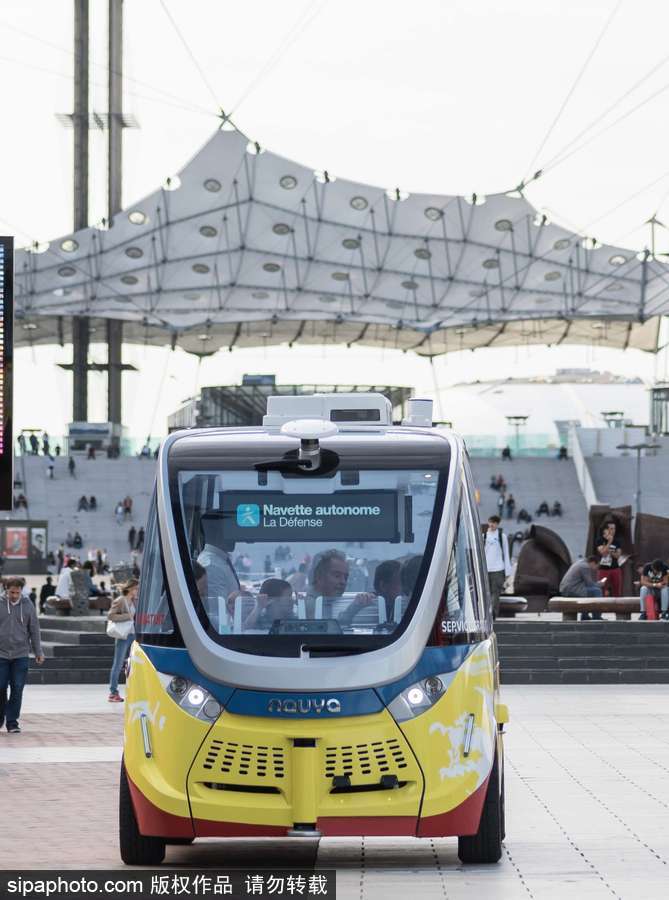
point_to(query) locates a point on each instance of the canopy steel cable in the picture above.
(308, 15)
(161, 387)
(637, 84)
(627, 200)
(69, 76)
(572, 89)
(194, 59)
(126, 77)
(642, 103)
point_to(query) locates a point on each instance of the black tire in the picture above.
(486, 845)
(136, 849)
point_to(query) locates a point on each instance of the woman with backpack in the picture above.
(121, 626)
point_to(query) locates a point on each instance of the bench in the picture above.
(103, 604)
(509, 606)
(570, 607)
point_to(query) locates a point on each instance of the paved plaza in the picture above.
(587, 802)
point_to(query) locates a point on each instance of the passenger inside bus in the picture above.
(327, 584)
(276, 601)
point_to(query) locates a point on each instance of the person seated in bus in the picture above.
(222, 578)
(388, 585)
(298, 579)
(274, 602)
(329, 577)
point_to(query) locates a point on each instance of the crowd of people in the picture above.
(506, 503)
(603, 574)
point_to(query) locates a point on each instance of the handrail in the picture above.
(582, 471)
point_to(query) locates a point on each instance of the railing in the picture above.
(582, 470)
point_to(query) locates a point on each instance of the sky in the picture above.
(457, 97)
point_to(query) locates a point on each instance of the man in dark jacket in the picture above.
(19, 631)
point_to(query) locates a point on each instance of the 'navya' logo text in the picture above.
(304, 706)
(248, 515)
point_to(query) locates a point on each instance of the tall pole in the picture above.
(114, 196)
(638, 480)
(80, 325)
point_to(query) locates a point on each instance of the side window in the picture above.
(153, 610)
(462, 612)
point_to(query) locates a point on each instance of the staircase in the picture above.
(532, 480)
(604, 652)
(108, 480)
(77, 651)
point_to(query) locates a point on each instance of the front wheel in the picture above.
(486, 845)
(136, 849)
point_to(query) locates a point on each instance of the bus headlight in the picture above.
(419, 697)
(193, 698)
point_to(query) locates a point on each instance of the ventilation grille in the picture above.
(374, 759)
(245, 760)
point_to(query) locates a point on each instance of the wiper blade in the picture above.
(333, 648)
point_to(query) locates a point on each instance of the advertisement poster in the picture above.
(37, 544)
(16, 543)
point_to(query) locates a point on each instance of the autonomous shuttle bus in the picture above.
(314, 651)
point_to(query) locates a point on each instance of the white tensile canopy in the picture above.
(245, 248)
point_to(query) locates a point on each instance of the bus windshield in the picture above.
(317, 564)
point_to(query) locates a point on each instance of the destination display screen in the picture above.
(6, 361)
(250, 516)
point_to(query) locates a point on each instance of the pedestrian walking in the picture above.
(71, 466)
(118, 512)
(132, 536)
(139, 545)
(19, 633)
(121, 626)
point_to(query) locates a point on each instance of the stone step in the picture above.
(70, 650)
(590, 649)
(603, 661)
(75, 662)
(74, 637)
(95, 622)
(585, 676)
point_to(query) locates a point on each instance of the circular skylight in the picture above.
(288, 182)
(351, 243)
(134, 252)
(129, 279)
(490, 263)
(281, 228)
(29, 326)
(617, 259)
(433, 214)
(410, 285)
(340, 276)
(422, 253)
(201, 268)
(204, 337)
(69, 245)
(597, 325)
(477, 293)
(213, 185)
(137, 217)
(503, 225)
(561, 244)
(61, 292)
(394, 304)
(271, 267)
(614, 286)
(552, 276)
(67, 271)
(326, 298)
(260, 295)
(359, 203)
(208, 231)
